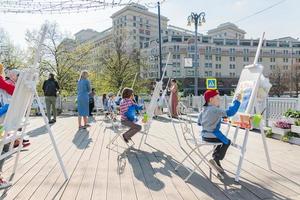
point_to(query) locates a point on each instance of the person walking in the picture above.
(174, 98)
(92, 101)
(83, 90)
(51, 88)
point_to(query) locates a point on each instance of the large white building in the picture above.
(224, 51)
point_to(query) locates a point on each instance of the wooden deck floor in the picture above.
(100, 173)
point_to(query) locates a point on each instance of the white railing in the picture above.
(275, 106)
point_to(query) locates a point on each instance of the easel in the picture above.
(153, 105)
(17, 115)
(257, 70)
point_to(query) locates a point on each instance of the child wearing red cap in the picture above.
(210, 120)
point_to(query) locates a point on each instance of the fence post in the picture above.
(298, 103)
(267, 113)
(225, 101)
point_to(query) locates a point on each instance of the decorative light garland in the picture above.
(64, 6)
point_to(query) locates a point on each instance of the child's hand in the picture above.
(238, 97)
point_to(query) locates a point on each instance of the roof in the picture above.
(224, 26)
(138, 8)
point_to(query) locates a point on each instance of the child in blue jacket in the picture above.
(210, 120)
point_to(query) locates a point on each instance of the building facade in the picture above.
(223, 51)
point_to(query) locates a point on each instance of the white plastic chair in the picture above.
(195, 145)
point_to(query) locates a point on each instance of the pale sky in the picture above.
(279, 21)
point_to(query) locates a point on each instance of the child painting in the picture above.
(128, 114)
(210, 120)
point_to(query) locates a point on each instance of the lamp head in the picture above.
(189, 21)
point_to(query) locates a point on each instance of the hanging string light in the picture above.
(63, 6)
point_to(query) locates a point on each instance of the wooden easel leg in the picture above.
(51, 136)
(243, 151)
(263, 137)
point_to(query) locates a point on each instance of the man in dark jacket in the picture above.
(50, 88)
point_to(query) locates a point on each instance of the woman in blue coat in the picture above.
(83, 90)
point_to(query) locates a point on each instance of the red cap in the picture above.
(210, 94)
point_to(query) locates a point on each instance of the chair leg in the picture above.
(187, 156)
(198, 165)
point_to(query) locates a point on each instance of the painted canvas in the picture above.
(246, 90)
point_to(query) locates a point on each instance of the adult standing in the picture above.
(50, 88)
(174, 98)
(92, 101)
(83, 90)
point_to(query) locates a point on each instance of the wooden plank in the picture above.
(72, 188)
(28, 172)
(100, 183)
(201, 186)
(36, 144)
(86, 187)
(228, 186)
(38, 180)
(155, 185)
(50, 181)
(176, 187)
(60, 184)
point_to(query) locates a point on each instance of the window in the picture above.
(141, 20)
(178, 56)
(174, 56)
(208, 73)
(232, 50)
(134, 24)
(285, 67)
(218, 50)
(260, 59)
(218, 74)
(134, 31)
(285, 60)
(232, 74)
(246, 51)
(285, 52)
(208, 57)
(232, 66)
(272, 67)
(246, 59)
(272, 59)
(218, 58)
(208, 49)
(273, 51)
(232, 59)
(134, 18)
(218, 66)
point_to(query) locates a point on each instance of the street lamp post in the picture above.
(198, 20)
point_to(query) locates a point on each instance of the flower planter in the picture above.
(295, 129)
(294, 140)
(280, 131)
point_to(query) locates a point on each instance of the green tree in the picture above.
(11, 56)
(61, 56)
(119, 65)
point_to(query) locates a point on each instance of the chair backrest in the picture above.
(186, 124)
(98, 102)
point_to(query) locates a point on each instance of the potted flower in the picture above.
(295, 128)
(292, 115)
(281, 127)
(291, 138)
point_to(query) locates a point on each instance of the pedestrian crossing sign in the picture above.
(211, 84)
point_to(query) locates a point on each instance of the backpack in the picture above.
(50, 88)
